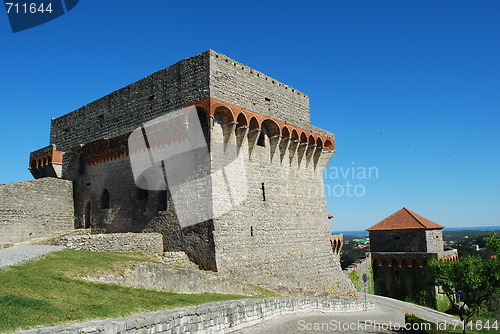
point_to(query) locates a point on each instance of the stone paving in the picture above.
(22, 253)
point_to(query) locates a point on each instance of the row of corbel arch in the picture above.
(399, 262)
(271, 127)
(336, 243)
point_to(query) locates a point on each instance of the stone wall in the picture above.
(35, 209)
(279, 236)
(413, 283)
(149, 243)
(128, 212)
(209, 74)
(238, 84)
(360, 267)
(178, 279)
(125, 109)
(398, 241)
(280, 242)
(220, 318)
(434, 240)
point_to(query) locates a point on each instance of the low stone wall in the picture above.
(149, 243)
(221, 317)
(35, 209)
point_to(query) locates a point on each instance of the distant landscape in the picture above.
(472, 228)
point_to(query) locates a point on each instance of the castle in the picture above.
(277, 235)
(401, 245)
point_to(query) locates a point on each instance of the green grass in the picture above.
(47, 292)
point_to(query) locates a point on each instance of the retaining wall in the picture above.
(35, 209)
(149, 243)
(221, 317)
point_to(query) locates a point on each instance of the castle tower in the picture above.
(400, 246)
(277, 236)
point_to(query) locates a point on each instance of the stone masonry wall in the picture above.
(125, 109)
(35, 209)
(238, 84)
(280, 242)
(281, 239)
(222, 317)
(149, 243)
(361, 266)
(434, 240)
(398, 241)
(127, 212)
(209, 74)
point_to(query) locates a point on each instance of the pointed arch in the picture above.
(254, 124)
(319, 142)
(242, 120)
(285, 133)
(303, 138)
(312, 141)
(295, 135)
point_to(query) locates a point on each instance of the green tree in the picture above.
(477, 278)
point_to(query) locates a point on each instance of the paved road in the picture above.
(387, 316)
(22, 253)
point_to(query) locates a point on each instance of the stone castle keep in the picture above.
(279, 235)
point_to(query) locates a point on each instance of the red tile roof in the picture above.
(404, 219)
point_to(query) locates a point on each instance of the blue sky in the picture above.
(410, 88)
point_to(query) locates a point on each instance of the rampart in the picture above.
(35, 209)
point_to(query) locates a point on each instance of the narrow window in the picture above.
(263, 192)
(86, 216)
(251, 231)
(396, 238)
(104, 203)
(81, 165)
(397, 275)
(162, 201)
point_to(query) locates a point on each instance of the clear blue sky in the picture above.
(409, 87)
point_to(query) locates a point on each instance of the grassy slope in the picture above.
(42, 292)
